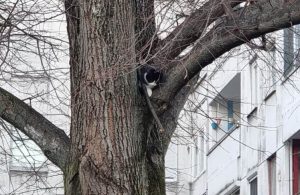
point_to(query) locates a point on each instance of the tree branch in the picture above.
(170, 117)
(192, 28)
(145, 28)
(258, 19)
(53, 141)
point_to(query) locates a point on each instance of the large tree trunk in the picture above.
(110, 121)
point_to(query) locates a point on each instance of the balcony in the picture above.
(225, 109)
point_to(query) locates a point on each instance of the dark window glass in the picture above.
(237, 192)
(272, 175)
(253, 187)
(288, 48)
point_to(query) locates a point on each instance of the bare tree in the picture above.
(116, 143)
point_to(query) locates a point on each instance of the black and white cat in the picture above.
(150, 78)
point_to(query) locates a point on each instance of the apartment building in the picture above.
(23, 167)
(34, 77)
(240, 130)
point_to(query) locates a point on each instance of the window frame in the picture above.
(291, 49)
(251, 179)
(271, 173)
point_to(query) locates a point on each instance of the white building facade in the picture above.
(38, 75)
(240, 130)
(24, 169)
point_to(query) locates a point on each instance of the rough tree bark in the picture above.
(108, 118)
(115, 146)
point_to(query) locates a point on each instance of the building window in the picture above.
(253, 186)
(199, 154)
(296, 166)
(272, 174)
(225, 114)
(297, 37)
(230, 114)
(297, 44)
(291, 47)
(236, 192)
(288, 46)
(26, 155)
(23, 182)
(254, 84)
(196, 156)
(171, 162)
(202, 152)
(269, 74)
